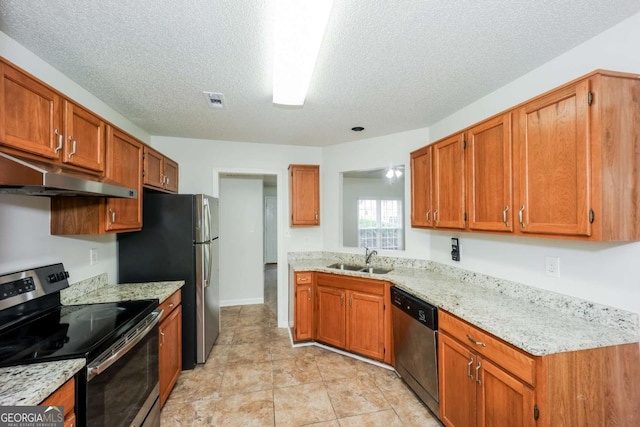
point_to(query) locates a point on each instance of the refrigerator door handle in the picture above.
(207, 252)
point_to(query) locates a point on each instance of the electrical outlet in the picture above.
(93, 256)
(552, 266)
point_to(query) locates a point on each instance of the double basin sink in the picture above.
(360, 268)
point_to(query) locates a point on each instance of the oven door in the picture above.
(122, 384)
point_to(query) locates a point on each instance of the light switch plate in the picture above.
(552, 266)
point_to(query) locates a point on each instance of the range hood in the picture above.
(20, 177)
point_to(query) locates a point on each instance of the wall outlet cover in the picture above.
(552, 266)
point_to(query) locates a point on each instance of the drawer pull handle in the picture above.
(171, 305)
(73, 143)
(303, 279)
(469, 367)
(480, 343)
(162, 341)
(477, 373)
(429, 215)
(60, 141)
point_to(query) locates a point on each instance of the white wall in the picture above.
(241, 241)
(607, 273)
(366, 154)
(25, 240)
(202, 162)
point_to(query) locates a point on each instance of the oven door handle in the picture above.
(126, 343)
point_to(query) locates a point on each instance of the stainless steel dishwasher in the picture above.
(415, 326)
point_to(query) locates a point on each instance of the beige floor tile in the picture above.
(225, 336)
(219, 355)
(248, 353)
(288, 372)
(332, 423)
(252, 334)
(302, 405)
(246, 377)
(282, 349)
(199, 383)
(230, 311)
(413, 413)
(180, 414)
(336, 366)
(350, 396)
(253, 409)
(386, 418)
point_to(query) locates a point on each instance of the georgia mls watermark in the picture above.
(31, 416)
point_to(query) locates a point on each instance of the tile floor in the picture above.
(254, 377)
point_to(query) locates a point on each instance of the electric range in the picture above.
(119, 340)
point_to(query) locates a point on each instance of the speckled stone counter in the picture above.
(126, 292)
(31, 384)
(536, 321)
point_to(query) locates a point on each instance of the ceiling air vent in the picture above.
(214, 99)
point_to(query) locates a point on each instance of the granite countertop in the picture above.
(128, 292)
(30, 384)
(524, 321)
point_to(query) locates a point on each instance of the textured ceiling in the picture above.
(389, 66)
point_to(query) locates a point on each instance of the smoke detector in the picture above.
(214, 99)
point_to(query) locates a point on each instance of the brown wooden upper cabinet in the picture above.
(449, 183)
(99, 215)
(437, 184)
(421, 211)
(160, 172)
(304, 196)
(40, 124)
(564, 164)
(489, 165)
(124, 167)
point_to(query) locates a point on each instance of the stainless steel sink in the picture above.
(351, 267)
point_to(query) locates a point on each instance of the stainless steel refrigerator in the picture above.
(179, 241)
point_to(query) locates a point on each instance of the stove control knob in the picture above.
(52, 278)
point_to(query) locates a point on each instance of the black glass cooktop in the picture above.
(66, 332)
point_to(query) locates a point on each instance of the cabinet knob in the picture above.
(170, 305)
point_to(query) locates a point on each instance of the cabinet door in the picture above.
(490, 173)
(421, 215)
(84, 138)
(365, 325)
(502, 399)
(153, 168)
(29, 114)
(304, 312)
(304, 194)
(124, 167)
(448, 183)
(331, 316)
(553, 164)
(456, 368)
(170, 352)
(170, 175)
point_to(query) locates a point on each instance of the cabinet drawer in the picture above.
(510, 358)
(171, 303)
(304, 278)
(64, 396)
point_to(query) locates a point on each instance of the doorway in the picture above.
(270, 214)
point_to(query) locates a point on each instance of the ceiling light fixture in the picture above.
(393, 173)
(299, 31)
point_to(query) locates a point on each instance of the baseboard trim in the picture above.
(246, 301)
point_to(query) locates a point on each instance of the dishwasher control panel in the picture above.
(420, 310)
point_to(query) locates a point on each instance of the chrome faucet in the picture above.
(368, 255)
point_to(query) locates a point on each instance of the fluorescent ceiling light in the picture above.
(299, 26)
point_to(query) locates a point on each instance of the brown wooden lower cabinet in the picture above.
(303, 307)
(170, 351)
(349, 313)
(65, 396)
(486, 382)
